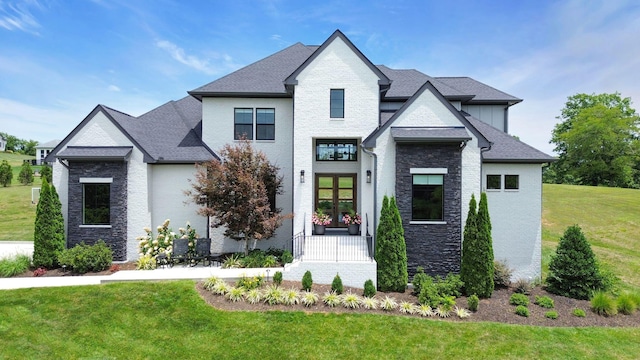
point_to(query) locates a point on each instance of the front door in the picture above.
(336, 195)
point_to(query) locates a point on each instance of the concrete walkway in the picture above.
(178, 272)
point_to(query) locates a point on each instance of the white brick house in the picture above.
(344, 133)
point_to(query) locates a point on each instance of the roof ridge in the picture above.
(116, 110)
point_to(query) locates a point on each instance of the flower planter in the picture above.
(354, 229)
(318, 229)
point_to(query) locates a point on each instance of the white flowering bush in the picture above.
(162, 243)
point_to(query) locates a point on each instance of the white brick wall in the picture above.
(516, 218)
(352, 274)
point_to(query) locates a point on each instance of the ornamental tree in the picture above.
(476, 268)
(48, 236)
(573, 270)
(391, 249)
(238, 193)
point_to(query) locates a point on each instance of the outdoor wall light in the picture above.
(302, 176)
(368, 176)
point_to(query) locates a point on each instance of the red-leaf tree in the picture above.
(238, 193)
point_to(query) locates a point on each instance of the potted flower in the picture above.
(320, 221)
(353, 221)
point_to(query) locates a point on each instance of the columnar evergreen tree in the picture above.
(6, 173)
(573, 270)
(485, 242)
(391, 250)
(26, 174)
(48, 237)
(45, 173)
(476, 269)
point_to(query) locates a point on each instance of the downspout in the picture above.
(375, 187)
(483, 150)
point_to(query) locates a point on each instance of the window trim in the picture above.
(273, 125)
(335, 142)
(333, 101)
(236, 134)
(94, 181)
(517, 177)
(499, 184)
(428, 171)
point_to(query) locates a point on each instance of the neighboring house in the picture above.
(42, 150)
(344, 133)
(3, 143)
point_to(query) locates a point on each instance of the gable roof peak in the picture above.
(383, 79)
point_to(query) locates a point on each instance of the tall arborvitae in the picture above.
(485, 249)
(468, 266)
(385, 257)
(48, 236)
(400, 247)
(26, 174)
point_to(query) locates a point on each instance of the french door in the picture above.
(336, 195)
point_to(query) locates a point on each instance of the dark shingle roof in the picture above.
(482, 92)
(405, 83)
(430, 134)
(95, 152)
(265, 76)
(506, 148)
(169, 133)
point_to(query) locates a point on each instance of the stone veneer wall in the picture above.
(436, 247)
(116, 235)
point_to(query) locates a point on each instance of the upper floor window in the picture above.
(337, 103)
(265, 124)
(494, 182)
(243, 124)
(338, 150)
(512, 182)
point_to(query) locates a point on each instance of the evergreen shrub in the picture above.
(391, 249)
(519, 300)
(84, 258)
(26, 174)
(307, 281)
(472, 302)
(522, 310)
(277, 278)
(336, 285)
(369, 289)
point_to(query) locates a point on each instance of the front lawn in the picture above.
(170, 320)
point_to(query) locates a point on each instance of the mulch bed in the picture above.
(60, 272)
(495, 309)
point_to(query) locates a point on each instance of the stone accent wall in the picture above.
(116, 235)
(436, 247)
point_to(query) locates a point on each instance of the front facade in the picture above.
(42, 150)
(344, 134)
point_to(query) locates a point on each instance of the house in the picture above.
(3, 143)
(344, 133)
(42, 150)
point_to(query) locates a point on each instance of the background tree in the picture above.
(238, 192)
(46, 173)
(573, 270)
(26, 147)
(26, 174)
(391, 249)
(597, 142)
(6, 173)
(48, 236)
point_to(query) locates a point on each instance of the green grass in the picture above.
(170, 320)
(609, 218)
(17, 213)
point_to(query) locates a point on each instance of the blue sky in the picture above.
(59, 58)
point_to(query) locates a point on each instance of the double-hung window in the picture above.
(243, 123)
(337, 103)
(265, 124)
(427, 201)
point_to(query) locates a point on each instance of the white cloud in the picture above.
(113, 88)
(17, 16)
(177, 53)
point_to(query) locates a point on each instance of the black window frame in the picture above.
(336, 104)
(337, 145)
(418, 192)
(240, 128)
(95, 199)
(268, 127)
(491, 178)
(508, 182)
